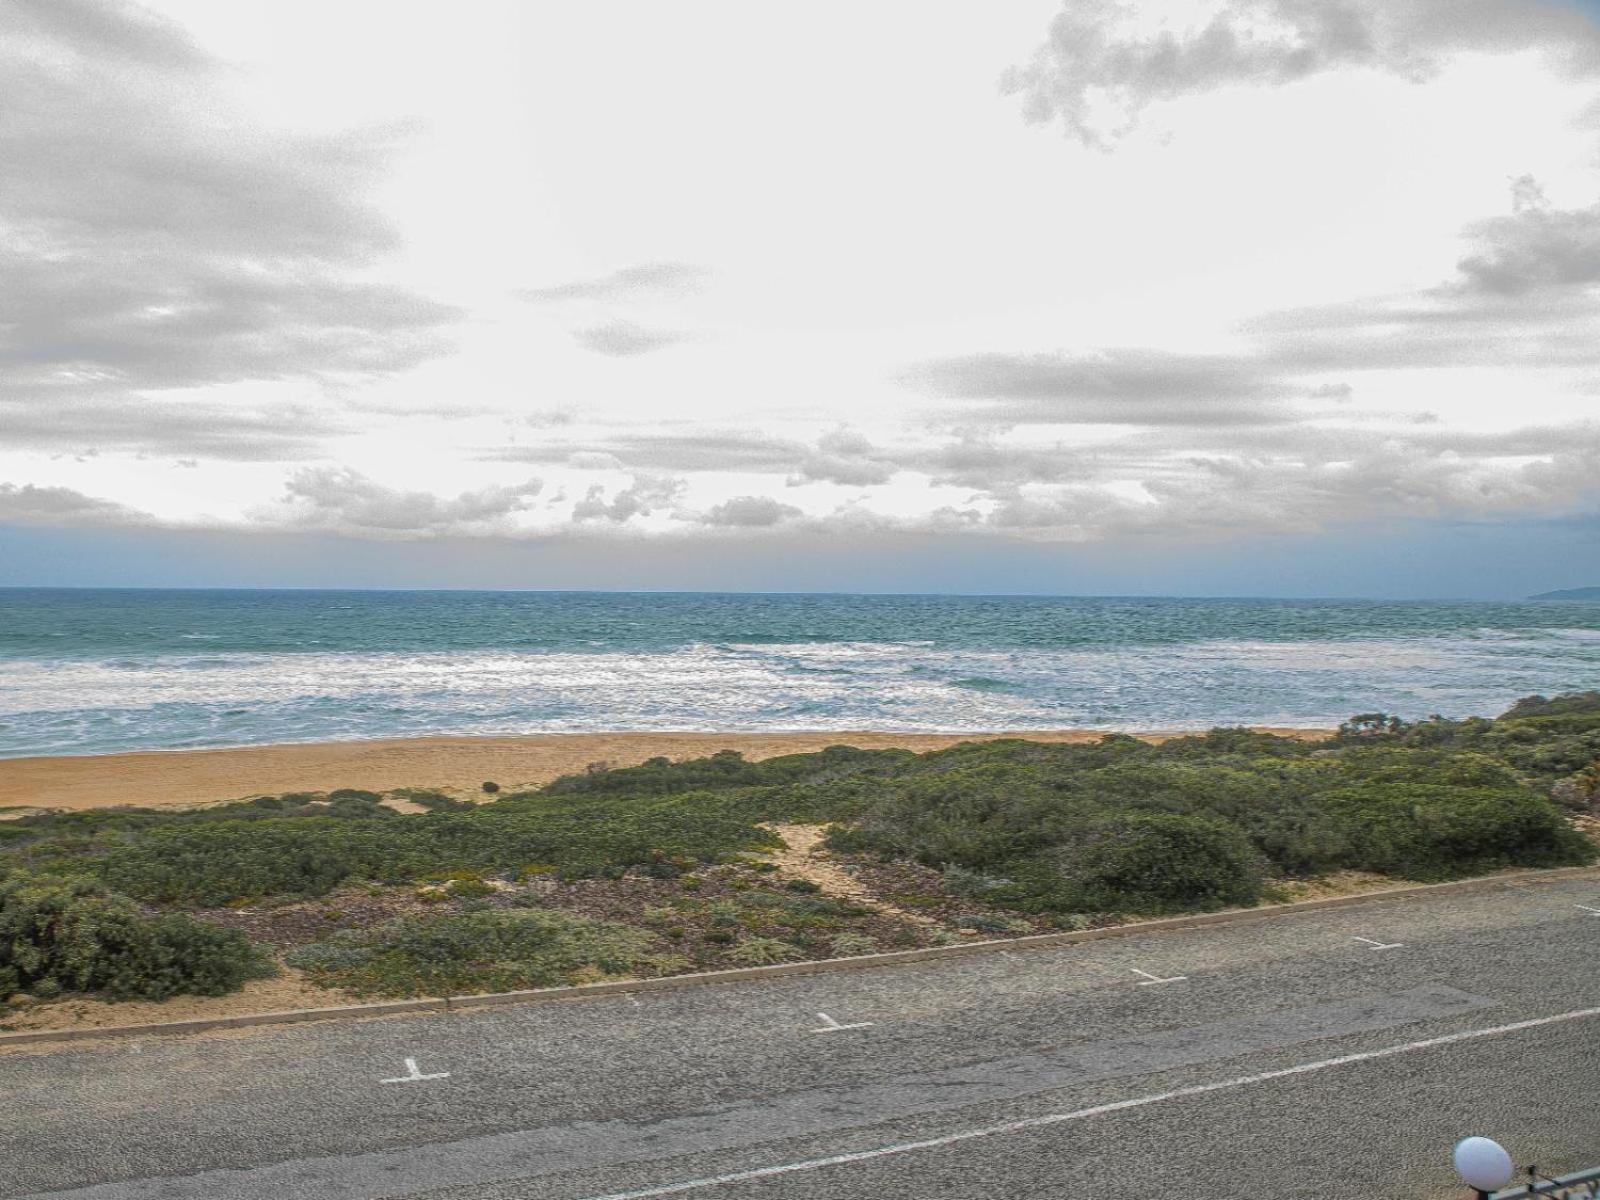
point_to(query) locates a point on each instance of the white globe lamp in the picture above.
(1483, 1163)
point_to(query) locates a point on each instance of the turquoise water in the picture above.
(93, 671)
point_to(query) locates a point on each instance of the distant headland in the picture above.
(1583, 593)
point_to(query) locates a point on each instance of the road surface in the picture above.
(1314, 1054)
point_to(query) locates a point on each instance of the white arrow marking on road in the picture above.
(1150, 980)
(829, 1025)
(1587, 909)
(1380, 945)
(415, 1076)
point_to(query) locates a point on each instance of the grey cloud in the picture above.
(164, 425)
(644, 280)
(114, 29)
(156, 240)
(1117, 386)
(1535, 247)
(707, 451)
(710, 450)
(750, 512)
(625, 339)
(844, 457)
(1094, 59)
(33, 505)
(341, 500)
(639, 499)
(594, 460)
(982, 463)
(1525, 296)
(1425, 438)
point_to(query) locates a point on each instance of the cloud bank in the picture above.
(1105, 62)
(152, 240)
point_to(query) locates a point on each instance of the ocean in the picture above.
(94, 671)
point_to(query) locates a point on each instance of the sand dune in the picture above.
(459, 765)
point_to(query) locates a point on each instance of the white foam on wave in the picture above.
(67, 706)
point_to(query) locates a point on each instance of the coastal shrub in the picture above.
(728, 769)
(431, 799)
(487, 951)
(963, 882)
(1155, 862)
(1043, 827)
(763, 951)
(849, 944)
(210, 864)
(981, 923)
(72, 935)
(1428, 831)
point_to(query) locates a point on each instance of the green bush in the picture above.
(212, 863)
(1156, 862)
(488, 951)
(63, 934)
(1426, 831)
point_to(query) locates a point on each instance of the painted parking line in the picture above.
(549, 1150)
(413, 1075)
(1150, 980)
(1587, 909)
(829, 1025)
(1082, 1114)
(1379, 945)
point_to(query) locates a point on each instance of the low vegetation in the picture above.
(659, 867)
(486, 951)
(71, 935)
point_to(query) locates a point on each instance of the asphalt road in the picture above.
(1313, 1054)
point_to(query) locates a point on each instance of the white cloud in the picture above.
(642, 497)
(154, 237)
(624, 339)
(1295, 299)
(340, 500)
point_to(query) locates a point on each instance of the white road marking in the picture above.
(812, 1164)
(1380, 945)
(1587, 909)
(413, 1075)
(1150, 980)
(829, 1025)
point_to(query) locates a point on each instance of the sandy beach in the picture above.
(458, 765)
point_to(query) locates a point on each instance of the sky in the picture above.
(1212, 297)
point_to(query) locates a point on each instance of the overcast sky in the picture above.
(1294, 297)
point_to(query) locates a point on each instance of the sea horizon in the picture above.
(601, 591)
(103, 670)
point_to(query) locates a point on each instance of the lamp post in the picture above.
(1486, 1167)
(1484, 1164)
